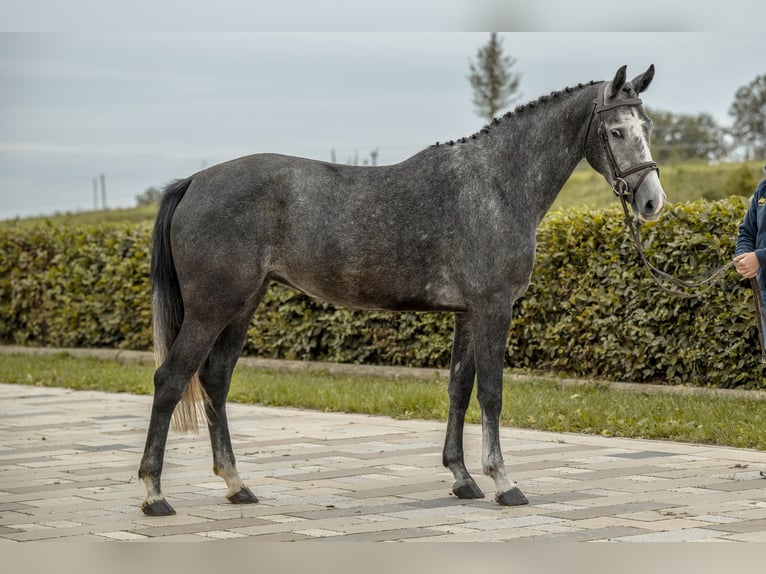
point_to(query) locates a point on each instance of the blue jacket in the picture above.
(752, 231)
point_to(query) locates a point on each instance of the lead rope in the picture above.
(698, 287)
(758, 297)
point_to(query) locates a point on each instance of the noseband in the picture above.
(620, 186)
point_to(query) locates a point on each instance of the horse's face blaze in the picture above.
(617, 144)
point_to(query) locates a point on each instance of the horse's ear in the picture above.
(640, 83)
(616, 85)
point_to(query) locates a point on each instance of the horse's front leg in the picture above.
(490, 330)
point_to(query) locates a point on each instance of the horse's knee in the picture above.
(459, 400)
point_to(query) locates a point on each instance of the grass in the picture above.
(682, 182)
(589, 408)
(145, 213)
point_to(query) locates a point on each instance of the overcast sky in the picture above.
(146, 108)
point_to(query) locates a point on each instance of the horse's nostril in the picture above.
(650, 206)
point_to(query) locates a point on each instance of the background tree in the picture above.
(682, 137)
(151, 196)
(749, 113)
(494, 83)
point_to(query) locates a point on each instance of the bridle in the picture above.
(620, 186)
(625, 192)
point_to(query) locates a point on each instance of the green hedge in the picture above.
(84, 286)
(591, 309)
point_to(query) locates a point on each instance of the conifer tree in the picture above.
(495, 84)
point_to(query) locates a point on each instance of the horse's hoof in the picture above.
(157, 508)
(512, 497)
(244, 496)
(467, 489)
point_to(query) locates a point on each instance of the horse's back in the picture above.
(372, 237)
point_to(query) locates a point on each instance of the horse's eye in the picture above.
(617, 133)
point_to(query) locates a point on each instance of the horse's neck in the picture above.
(537, 149)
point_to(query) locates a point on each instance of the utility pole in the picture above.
(103, 191)
(95, 194)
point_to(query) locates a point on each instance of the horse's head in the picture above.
(617, 144)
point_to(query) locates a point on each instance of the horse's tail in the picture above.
(168, 306)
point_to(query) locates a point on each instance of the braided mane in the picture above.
(518, 111)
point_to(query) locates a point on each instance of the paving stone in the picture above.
(319, 532)
(744, 526)
(197, 527)
(283, 537)
(442, 486)
(753, 513)
(7, 506)
(333, 476)
(671, 524)
(220, 535)
(683, 535)
(122, 535)
(643, 454)
(388, 535)
(757, 536)
(282, 518)
(603, 534)
(434, 512)
(510, 523)
(558, 506)
(605, 510)
(739, 485)
(380, 509)
(566, 496)
(712, 519)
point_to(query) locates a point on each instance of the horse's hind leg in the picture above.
(462, 374)
(215, 376)
(194, 341)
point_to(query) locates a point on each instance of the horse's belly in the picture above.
(394, 294)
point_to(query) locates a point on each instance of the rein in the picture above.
(624, 191)
(692, 288)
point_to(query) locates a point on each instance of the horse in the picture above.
(452, 229)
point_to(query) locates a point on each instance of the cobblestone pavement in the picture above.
(68, 462)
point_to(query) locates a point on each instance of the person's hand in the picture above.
(747, 264)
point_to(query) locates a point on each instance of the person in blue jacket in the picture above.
(750, 254)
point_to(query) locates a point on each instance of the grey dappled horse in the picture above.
(450, 229)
